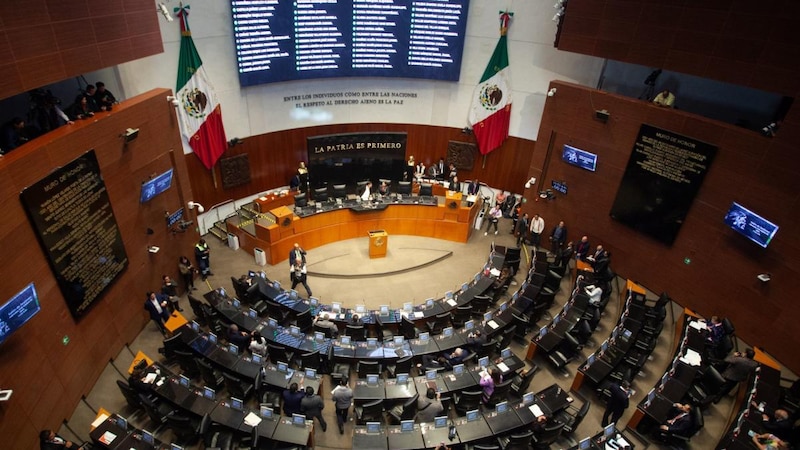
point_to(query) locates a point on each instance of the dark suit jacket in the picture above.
(473, 188)
(682, 425)
(148, 305)
(291, 402)
(455, 186)
(583, 249)
(294, 254)
(563, 238)
(618, 401)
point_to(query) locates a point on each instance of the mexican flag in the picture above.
(199, 111)
(491, 102)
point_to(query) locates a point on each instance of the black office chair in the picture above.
(329, 333)
(368, 367)
(184, 427)
(404, 187)
(356, 332)
(460, 315)
(278, 353)
(426, 190)
(582, 332)
(522, 323)
(548, 437)
(237, 387)
(681, 440)
(215, 435)
(369, 412)
(406, 411)
(304, 320)
(402, 365)
(440, 322)
(300, 200)
(310, 360)
(131, 397)
(467, 401)
(321, 194)
(156, 411)
(197, 309)
(480, 304)
(567, 350)
(572, 416)
(340, 369)
(408, 329)
(446, 402)
(521, 382)
(188, 364)
(487, 349)
(704, 391)
(500, 393)
(276, 311)
(384, 333)
(211, 377)
(505, 338)
(518, 441)
(340, 191)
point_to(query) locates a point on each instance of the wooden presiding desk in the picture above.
(450, 220)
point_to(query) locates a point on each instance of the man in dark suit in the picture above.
(558, 237)
(583, 248)
(474, 187)
(156, 305)
(617, 402)
(296, 252)
(455, 185)
(240, 338)
(779, 424)
(740, 366)
(680, 421)
(522, 229)
(49, 440)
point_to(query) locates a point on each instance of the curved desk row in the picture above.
(450, 220)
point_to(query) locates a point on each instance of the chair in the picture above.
(519, 441)
(521, 382)
(681, 440)
(185, 428)
(404, 187)
(480, 303)
(340, 369)
(197, 309)
(426, 190)
(321, 194)
(278, 353)
(310, 360)
(368, 367)
(566, 352)
(460, 315)
(572, 416)
(236, 387)
(406, 411)
(467, 401)
(384, 333)
(300, 200)
(408, 329)
(276, 311)
(339, 191)
(440, 322)
(548, 436)
(446, 402)
(487, 349)
(325, 330)
(403, 365)
(521, 323)
(156, 411)
(369, 412)
(500, 393)
(188, 364)
(356, 332)
(582, 331)
(132, 397)
(703, 392)
(214, 435)
(304, 321)
(211, 377)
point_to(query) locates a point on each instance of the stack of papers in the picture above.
(252, 419)
(150, 377)
(495, 272)
(99, 420)
(493, 324)
(691, 358)
(502, 366)
(697, 325)
(419, 314)
(452, 302)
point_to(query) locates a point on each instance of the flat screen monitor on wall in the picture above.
(18, 310)
(750, 225)
(155, 186)
(284, 41)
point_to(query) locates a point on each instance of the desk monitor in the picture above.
(608, 431)
(237, 404)
(440, 422)
(604, 345)
(384, 310)
(183, 380)
(121, 422)
(501, 407)
(175, 447)
(567, 307)
(503, 306)
(345, 340)
(283, 367)
(447, 332)
(299, 420)
(262, 274)
(406, 426)
(252, 313)
(399, 340)
(402, 378)
(336, 307)
(505, 353)
(484, 362)
(472, 415)
(212, 338)
(236, 303)
(222, 292)
(542, 331)
(209, 393)
(408, 307)
(311, 373)
(257, 359)
(528, 398)
(272, 323)
(464, 287)
(424, 336)
(487, 317)
(265, 412)
(251, 274)
(361, 310)
(585, 444)
(430, 375)
(372, 379)
(614, 333)
(590, 360)
(477, 277)
(448, 295)
(650, 396)
(233, 348)
(294, 330)
(516, 294)
(429, 303)
(468, 325)
(626, 333)
(664, 379)
(148, 437)
(373, 427)
(458, 369)
(319, 336)
(372, 342)
(293, 294)
(276, 285)
(195, 326)
(313, 301)
(556, 319)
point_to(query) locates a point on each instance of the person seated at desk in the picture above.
(664, 99)
(715, 330)
(142, 379)
(258, 345)
(429, 407)
(446, 360)
(383, 189)
(768, 441)
(779, 424)
(356, 321)
(324, 321)
(680, 421)
(595, 293)
(455, 185)
(475, 341)
(540, 424)
(240, 338)
(291, 400)
(488, 380)
(582, 250)
(49, 440)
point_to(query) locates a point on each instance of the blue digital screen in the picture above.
(579, 158)
(175, 217)
(472, 415)
(17, 311)
(750, 225)
(440, 422)
(560, 186)
(407, 425)
(155, 186)
(283, 41)
(373, 427)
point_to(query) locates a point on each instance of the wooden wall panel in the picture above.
(754, 170)
(274, 158)
(48, 377)
(40, 38)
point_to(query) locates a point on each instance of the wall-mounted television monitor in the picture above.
(175, 217)
(18, 310)
(750, 225)
(155, 186)
(579, 158)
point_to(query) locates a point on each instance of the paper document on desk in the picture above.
(502, 366)
(697, 325)
(495, 272)
(252, 419)
(472, 198)
(452, 302)
(99, 420)
(107, 438)
(419, 314)
(493, 324)
(536, 410)
(691, 358)
(150, 377)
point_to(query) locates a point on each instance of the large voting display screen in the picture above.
(750, 225)
(304, 39)
(17, 311)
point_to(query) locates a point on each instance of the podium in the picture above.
(378, 241)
